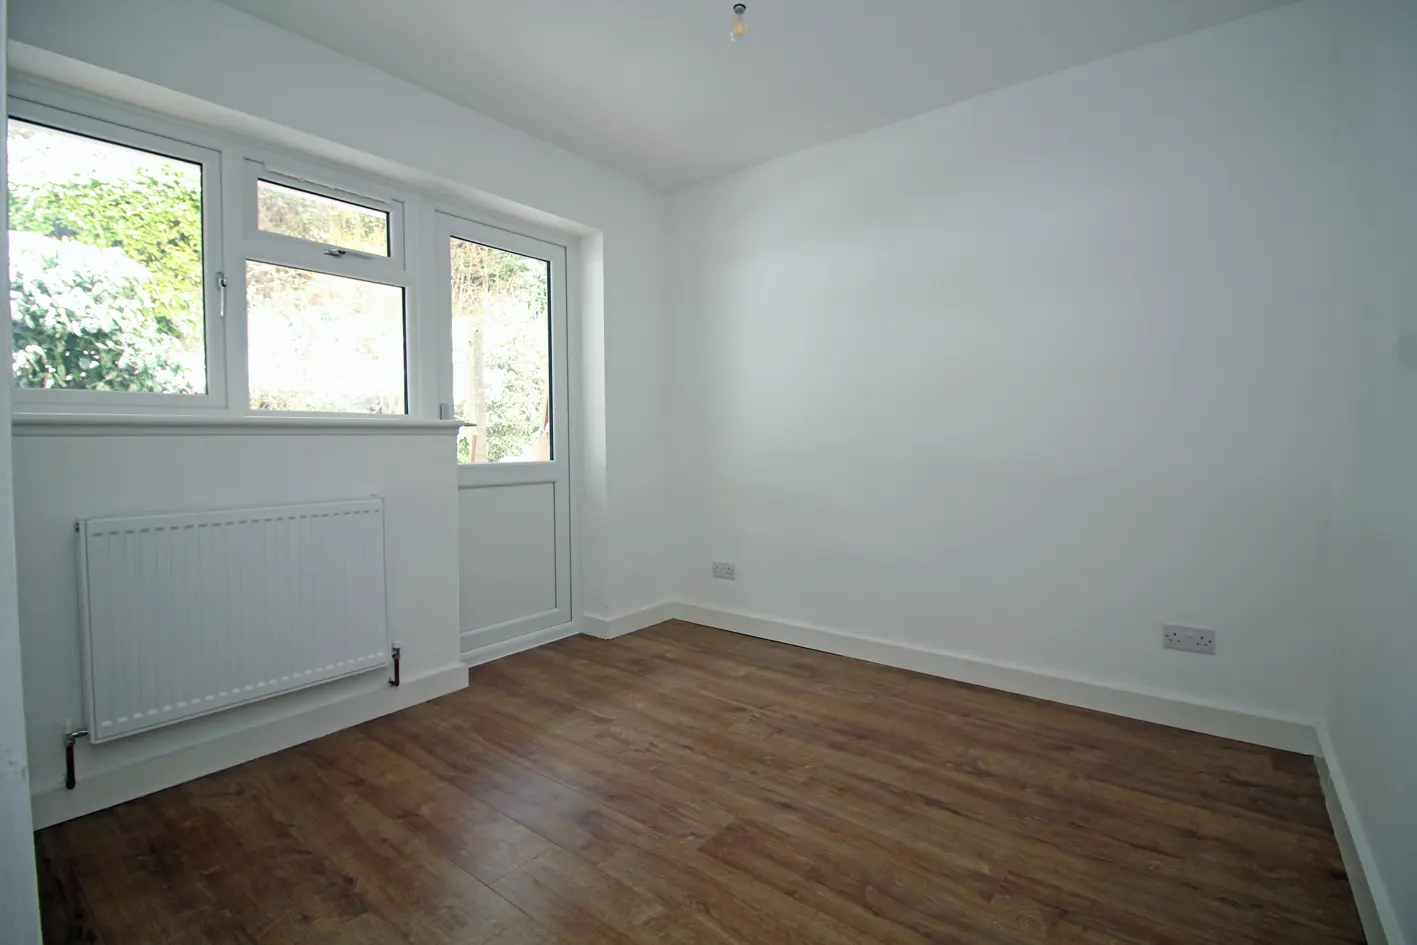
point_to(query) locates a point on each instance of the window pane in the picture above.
(501, 354)
(310, 216)
(105, 265)
(323, 343)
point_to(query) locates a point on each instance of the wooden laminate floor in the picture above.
(685, 785)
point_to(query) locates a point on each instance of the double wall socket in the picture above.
(1188, 639)
(725, 571)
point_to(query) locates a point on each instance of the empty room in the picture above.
(588, 472)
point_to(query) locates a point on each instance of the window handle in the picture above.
(221, 287)
(341, 253)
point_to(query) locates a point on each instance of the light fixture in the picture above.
(740, 29)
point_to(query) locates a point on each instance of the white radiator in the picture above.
(188, 614)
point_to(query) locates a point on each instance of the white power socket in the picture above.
(725, 571)
(1188, 640)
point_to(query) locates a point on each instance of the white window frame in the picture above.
(322, 184)
(451, 221)
(156, 139)
(230, 167)
(278, 249)
(454, 224)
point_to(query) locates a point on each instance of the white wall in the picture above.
(1373, 703)
(1024, 378)
(19, 909)
(216, 54)
(60, 479)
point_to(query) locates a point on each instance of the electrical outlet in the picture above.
(1188, 640)
(725, 571)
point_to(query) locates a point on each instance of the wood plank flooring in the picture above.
(686, 785)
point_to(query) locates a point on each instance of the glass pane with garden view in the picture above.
(105, 265)
(323, 344)
(308, 216)
(501, 354)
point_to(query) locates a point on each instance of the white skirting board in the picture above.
(1226, 722)
(1370, 893)
(608, 628)
(107, 788)
(495, 651)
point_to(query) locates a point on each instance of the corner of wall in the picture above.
(19, 903)
(1370, 893)
(593, 451)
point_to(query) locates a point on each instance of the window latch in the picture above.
(221, 287)
(342, 253)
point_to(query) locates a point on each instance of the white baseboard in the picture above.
(1164, 709)
(115, 786)
(1375, 907)
(608, 628)
(495, 651)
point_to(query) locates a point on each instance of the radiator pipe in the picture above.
(398, 650)
(69, 739)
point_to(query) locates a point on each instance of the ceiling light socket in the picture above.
(740, 28)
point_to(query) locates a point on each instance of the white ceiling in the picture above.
(655, 88)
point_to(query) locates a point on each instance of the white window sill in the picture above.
(93, 424)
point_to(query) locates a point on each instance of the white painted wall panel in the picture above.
(508, 554)
(60, 483)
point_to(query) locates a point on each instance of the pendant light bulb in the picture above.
(740, 29)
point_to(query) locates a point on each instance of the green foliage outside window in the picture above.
(501, 317)
(82, 320)
(106, 283)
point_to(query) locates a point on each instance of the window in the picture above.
(323, 343)
(501, 354)
(322, 219)
(326, 299)
(161, 267)
(108, 272)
